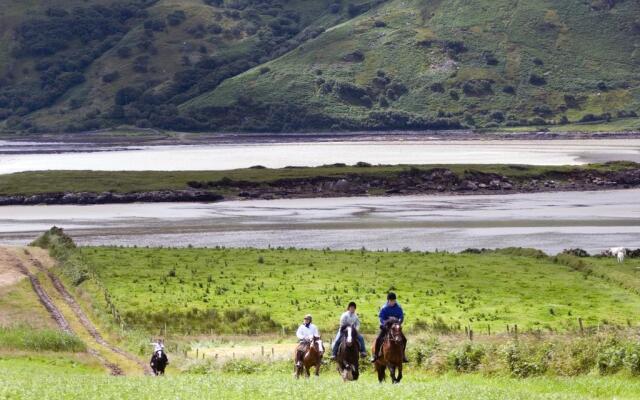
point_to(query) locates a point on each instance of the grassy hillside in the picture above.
(273, 65)
(479, 63)
(248, 291)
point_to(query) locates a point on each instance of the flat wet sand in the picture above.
(549, 221)
(226, 156)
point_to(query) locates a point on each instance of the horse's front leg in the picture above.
(381, 373)
(399, 373)
(318, 368)
(392, 372)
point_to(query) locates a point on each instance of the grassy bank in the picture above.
(27, 338)
(30, 183)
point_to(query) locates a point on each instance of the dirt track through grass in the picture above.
(44, 298)
(80, 322)
(80, 314)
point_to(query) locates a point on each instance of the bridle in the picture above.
(349, 337)
(395, 333)
(316, 344)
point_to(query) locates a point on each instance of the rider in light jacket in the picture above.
(349, 317)
(390, 309)
(305, 334)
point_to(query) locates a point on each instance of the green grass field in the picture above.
(194, 290)
(28, 183)
(199, 294)
(25, 382)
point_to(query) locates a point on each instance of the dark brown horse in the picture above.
(392, 353)
(348, 354)
(311, 357)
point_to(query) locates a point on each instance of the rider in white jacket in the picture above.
(305, 334)
(307, 330)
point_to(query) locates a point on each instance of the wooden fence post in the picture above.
(581, 326)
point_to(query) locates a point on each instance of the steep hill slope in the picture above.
(274, 65)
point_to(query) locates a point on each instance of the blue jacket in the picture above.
(387, 311)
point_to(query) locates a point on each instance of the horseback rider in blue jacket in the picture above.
(390, 309)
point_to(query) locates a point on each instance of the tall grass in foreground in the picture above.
(26, 338)
(38, 384)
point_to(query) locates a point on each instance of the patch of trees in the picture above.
(571, 101)
(452, 47)
(176, 17)
(276, 31)
(508, 89)
(437, 87)
(355, 56)
(47, 36)
(382, 89)
(543, 110)
(352, 94)
(489, 58)
(478, 87)
(247, 115)
(63, 43)
(596, 117)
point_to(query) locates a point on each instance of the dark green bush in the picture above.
(537, 80)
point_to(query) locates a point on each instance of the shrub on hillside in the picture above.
(489, 58)
(176, 17)
(477, 87)
(509, 89)
(537, 80)
(111, 77)
(437, 87)
(127, 94)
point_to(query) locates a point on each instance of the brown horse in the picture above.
(392, 354)
(348, 354)
(311, 357)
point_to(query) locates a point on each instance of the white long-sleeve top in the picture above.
(305, 332)
(352, 319)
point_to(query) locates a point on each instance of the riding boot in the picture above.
(376, 352)
(404, 350)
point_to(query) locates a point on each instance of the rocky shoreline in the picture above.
(86, 198)
(410, 182)
(419, 181)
